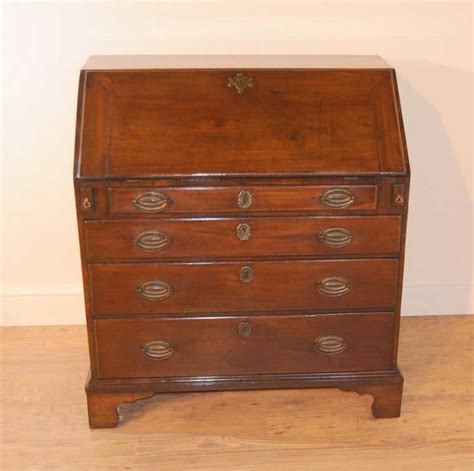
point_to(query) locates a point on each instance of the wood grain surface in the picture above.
(44, 414)
(138, 129)
(219, 200)
(190, 123)
(214, 346)
(217, 287)
(117, 239)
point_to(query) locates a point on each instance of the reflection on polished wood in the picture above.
(44, 420)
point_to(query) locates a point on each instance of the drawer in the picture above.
(238, 345)
(151, 200)
(152, 288)
(165, 238)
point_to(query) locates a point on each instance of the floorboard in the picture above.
(44, 418)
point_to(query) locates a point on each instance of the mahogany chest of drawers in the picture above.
(242, 225)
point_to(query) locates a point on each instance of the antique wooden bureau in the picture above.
(242, 225)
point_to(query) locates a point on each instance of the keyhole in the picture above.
(244, 329)
(246, 274)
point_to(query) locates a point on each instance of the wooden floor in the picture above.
(44, 418)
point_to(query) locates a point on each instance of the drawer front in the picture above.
(164, 238)
(242, 199)
(153, 288)
(238, 345)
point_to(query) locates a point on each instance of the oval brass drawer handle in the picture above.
(155, 290)
(244, 231)
(245, 199)
(152, 241)
(158, 350)
(330, 345)
(151, 202)
(334, 286)
(338, 198)
(335, 237)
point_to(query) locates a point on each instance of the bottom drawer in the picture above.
(243, 345)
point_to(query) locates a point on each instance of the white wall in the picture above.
(44, 46)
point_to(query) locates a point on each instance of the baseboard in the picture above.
(65, 305)
(437, 300)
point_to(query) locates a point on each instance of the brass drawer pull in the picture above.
(152, 241)
(240, 82)
(86, 203)
(244, 231)
(246, 274)
(158, 350)
(338, 198)
(245, 199)
(334, 286)
(151, 202)
(398, 194)
(336, 237)
(244, 329)
(155, 290)
(330, 345)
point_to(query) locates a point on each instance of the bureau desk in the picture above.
(242, 225)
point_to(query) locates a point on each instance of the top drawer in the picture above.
(153, 200)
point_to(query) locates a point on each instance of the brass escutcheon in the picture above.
(245, 199)
(399, 200)
(244, 231)
(86, 204)
(240, 82)
(244, 329)
(246, 274)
